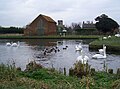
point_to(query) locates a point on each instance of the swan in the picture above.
(15, 44)
(101, 50)
(78, 47)
(100, 56)
(109, 36)
(117, 35)
(8, 44)
(104, 38)
(82, 58)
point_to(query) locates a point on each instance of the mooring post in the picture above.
(92, 71)
(118, 71)
(110, 71)
(71, 72)
(64, 71)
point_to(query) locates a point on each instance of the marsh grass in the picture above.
(42, 78)
(113, 44)
(8, 72)
(80, 69)
(113, 41)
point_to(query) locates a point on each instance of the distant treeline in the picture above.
(7, 30)
(87, 32)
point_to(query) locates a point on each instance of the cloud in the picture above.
(22, 12)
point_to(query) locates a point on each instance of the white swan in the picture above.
(109, 36)
(101, 51)
(82, 58)
(78, 47)
(100, 56)
(8, 44)
(117, 35)
(104, 38)
(15, 44)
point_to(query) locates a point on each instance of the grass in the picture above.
(49, 37)
(42, 78)
(113, 44)
(115, 41)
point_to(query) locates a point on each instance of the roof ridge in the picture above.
(47, 18)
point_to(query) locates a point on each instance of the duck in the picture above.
(83, 58)
(100, 56)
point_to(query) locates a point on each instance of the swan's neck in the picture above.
(82, 54)
(104, 51)
(18, 43)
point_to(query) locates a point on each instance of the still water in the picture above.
(33, 49)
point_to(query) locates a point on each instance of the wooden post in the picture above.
(18, 69)
(92, 71)
(64, 71)
(110, 71)
(118, 71)
(60, 70)
(71, 72)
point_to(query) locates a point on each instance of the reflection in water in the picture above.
(52, 53)
(40, 42)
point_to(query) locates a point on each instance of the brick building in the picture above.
(42, 25)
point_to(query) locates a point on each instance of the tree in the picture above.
(76, 26)
(105, 24)
(11, 30)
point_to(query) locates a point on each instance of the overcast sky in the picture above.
(22, 12)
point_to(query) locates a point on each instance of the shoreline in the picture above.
(48, 37)
(95, 45)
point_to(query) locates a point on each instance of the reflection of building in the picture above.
(88, 25)
(42, 25)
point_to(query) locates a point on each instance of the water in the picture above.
(32, 49)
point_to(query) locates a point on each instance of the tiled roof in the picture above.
(47, 18)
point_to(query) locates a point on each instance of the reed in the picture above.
(46, 78)
(80, 69)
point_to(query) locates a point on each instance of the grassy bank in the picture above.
(113, 44)
(49, 37)
(42, 78)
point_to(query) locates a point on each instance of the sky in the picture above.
(19, 13)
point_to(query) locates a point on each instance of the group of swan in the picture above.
(106, 37)
(116, 35)
(83, 58)
(102, 53)
(13, 44)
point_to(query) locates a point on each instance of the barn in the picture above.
(42, 25)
